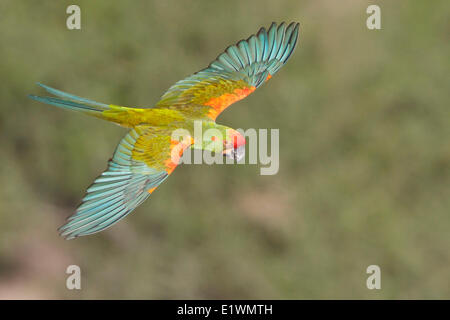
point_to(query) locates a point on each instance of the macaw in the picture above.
(144, 157)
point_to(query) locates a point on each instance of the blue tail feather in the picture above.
(72, 103)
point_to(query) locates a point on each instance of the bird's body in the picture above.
(148, 154)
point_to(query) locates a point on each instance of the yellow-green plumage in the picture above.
(147, 155)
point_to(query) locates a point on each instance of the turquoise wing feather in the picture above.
(249, 63)
(117, 192)
(261, 54)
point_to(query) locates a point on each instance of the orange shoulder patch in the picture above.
(176, 151)
(221, 102)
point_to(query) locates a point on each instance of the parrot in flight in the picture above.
(147, 154)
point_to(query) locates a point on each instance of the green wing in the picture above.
(141, 162)
(234, 74)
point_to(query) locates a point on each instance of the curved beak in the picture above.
(235, 154)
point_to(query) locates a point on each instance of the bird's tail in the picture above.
(71, 102)
(118, 114)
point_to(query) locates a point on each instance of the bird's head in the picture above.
(234, 145)
(221, 139)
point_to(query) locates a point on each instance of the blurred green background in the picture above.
(364, 153)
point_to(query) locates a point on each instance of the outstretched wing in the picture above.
(235, 73)
(142, 161)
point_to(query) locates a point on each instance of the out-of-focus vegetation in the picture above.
(364, 153)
